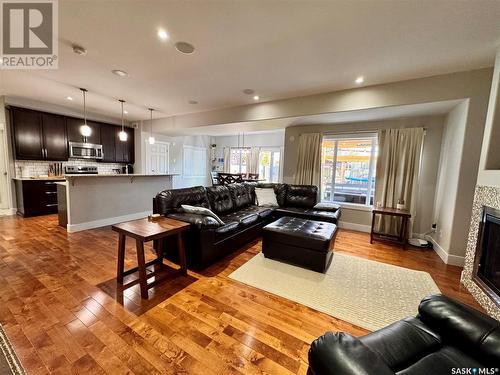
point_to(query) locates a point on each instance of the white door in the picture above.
(157, 158)
(4, 193)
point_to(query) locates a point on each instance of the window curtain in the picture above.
(253, 166)
(308, 170)
(398, 168)
(227, 160)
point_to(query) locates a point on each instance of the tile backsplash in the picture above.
(41, 167)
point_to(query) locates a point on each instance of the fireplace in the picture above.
(486, 272)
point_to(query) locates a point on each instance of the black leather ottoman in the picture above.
(302, 242)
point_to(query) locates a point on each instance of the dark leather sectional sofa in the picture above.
(235, 204)
(446, 337)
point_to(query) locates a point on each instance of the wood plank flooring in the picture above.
(60, 306)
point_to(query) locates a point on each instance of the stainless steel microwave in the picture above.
(85, 151)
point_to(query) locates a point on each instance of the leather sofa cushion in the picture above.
(442, 362)
(403, 343)
(313, 235)
(301, 196)
(311, 213)
(220, 199)
(325, 206)
(198, 221)
(340, 353)
(240, 216)
(263, 212)
(228, 227)
(169, 201)
(463, 327)
(241, 195)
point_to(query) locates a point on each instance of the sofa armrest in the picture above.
(341, 353)
(196, 220)
(463, 326)
(331, 207)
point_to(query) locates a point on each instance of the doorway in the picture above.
(4, 175)
(157, 158)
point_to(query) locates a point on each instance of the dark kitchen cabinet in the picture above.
(109, 134)
(74, 135)
(54, 136)
(124, 151)
(28, 139)
(36, 197)
(39, 135)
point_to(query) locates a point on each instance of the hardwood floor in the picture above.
(61, 309)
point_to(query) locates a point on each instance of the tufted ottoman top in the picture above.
(310, 234)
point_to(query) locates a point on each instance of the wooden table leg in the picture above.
(141, 264)
(182, 254)
(403, 231)
(373, 225)
(121, 258)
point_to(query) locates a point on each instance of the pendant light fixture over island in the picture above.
(151, 139)
(122, 135)
(85, 130)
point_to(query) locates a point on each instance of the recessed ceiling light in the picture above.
(184, 47)
(359, 80)
(193, 102)
(256, 97)
(126, 112)
(69, 98)
(248, 91)
(120, 73)
(162, 34)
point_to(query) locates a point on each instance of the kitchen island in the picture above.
(89, 201)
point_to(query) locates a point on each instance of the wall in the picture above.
(359, 218)
(489, 170)
(445, 207)
(176, 145)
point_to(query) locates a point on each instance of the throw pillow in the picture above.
(266, 197)
(201, 211)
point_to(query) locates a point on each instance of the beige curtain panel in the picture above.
(308, 170)
(253, 166)
(227, 160)
(398, 168)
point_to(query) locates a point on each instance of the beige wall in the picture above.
(360, 218)
(489, 171)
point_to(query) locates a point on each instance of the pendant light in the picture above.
(151, 139)
(85, 130)
(122, 135)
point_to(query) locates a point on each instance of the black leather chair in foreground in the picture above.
(445, 337)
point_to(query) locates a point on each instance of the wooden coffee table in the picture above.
(143, 231)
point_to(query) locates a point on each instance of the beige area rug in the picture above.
(362, 292)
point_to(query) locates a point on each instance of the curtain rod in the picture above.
(363, 131)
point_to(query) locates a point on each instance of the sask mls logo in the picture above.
(29, 34)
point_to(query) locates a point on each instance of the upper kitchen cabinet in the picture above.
(124, 151)
(38, 135)
(108, 135)
(74, 135)
(27, 127)
(54, 136)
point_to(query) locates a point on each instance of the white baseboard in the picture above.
(72, 228)
(8, 211)
(354, 226)
(447, 258)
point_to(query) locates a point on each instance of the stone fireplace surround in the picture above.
(483, 196)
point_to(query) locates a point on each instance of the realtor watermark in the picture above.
(474, 371)
(29, 34)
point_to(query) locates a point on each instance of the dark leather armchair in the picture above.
(444, 335)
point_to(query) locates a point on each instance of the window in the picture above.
(194, 161)
(348, 168)
(239, 159)
(269, 164)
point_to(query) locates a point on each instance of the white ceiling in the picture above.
(371, 114)
(280, 49)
